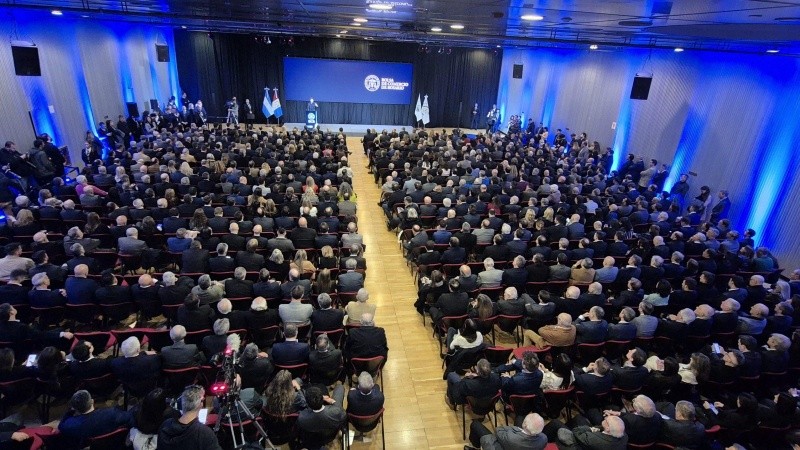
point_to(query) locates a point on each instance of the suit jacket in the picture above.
(490, 278)
(137, 368)
(476, 387)
(76, 429)
(303, 237)
(513, 438)
(180, 356)
(366, 342)
(130, 246)
(591, 384)
(683, 433)
(589, 331)
(325, 366)
(238, 288)
(515, 307)
(92, 368)
(194, 261)
(516, 277)
(237, 319)
(327, 319)
(289, 353)
(295, 312)
(451, 304)
(621, 331)
(251, 261)
(629, 378)
(234, 241)
(454, 255)
(80, 291)
(560, 272)
(350, 281)
(365, 404)
(195, 319)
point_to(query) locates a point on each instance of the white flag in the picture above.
(425, 112)
(418, 109)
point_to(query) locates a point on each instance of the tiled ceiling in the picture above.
(733, 25)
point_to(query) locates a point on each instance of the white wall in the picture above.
(89, 70)
(732, 118)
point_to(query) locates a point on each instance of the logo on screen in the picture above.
(372, 83)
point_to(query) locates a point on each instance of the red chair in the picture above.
(48, 317)
(373, 366)
(481, 407)
(176, 380)
(100, 340)
(440, 328)
(334, 336)
(297, 370)
(114, 440)
(520, 405)
(196, 337)
(15, 393)
(497, 356)
(83, 314)
(558, 399)
(158, 339)
(281, 431)
(265, 337)
(365, 424)
(588, 352)
(100, 387)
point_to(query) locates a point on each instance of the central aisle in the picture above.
(416, 414)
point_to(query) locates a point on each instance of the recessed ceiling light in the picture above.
(593, 47)
(532, 17)
(338, 35)
(183, 26)
(56, 12)
(498, 46)
(85, 16)
(380, 6)
(355, 24)
(360, 20)
(457, 26)
(773, 50)
(678, 49)
(436, 29)
(343, 32)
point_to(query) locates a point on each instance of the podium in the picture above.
(311, 119)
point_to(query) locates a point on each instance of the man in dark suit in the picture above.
(325, 361)
(173, 222)
(518, 246)
(249, 259)
(454, 254)
(236, 319)
(632, 374)
(498, 251)
(82, 421)
(180, 355)
(366, 341)
(481, 384)
(291, 351)
(595, 378)
(453, 303)
(193, 315)
(238, 286)
(145, 294)
(195, 259)
(326, 318)
(623, 330)
(366, 399)
(684, 430)
(512, 304)
(321, 418)
(218, 223)
(80, 289)
(468, 281)
(516, 275)
(281, 242)
(303, 236)
(325, 237)
(350, 281)
(527, 378)
(593, 330)
(430, 256)
(643, 424)
(174, 290)
(233, 239)
(12, 330)
(85, 365)
(134, 365)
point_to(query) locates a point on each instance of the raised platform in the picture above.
(357, 129)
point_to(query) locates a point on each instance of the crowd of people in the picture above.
(660, 321)
(178, 241)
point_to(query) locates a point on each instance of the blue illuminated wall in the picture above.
(90, 69)
(731, 118)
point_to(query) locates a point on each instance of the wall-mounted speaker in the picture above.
(154, 105)
(517, 70)
(26, 61)
(641, 88)
(162, 53)
(133, 109)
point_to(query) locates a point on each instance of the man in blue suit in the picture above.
(291, 351)
(525, 381)
(82, 422)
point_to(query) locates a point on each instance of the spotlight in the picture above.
(338, 35)
(343, 32)
(436, 29)
(360, 20)
(532, 17)
(678, 49)
(355, 24)
(773, 50)
(183, 26)
(593, 47)
(56, 12)
(457, 26)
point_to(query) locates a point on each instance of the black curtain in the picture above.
(214, 67)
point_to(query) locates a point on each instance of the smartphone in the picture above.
(202, 415)
(716, 348)
(31, 361)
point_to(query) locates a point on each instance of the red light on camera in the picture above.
(219, 388)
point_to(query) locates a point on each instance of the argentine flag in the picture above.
(266, 105)
(276, 104)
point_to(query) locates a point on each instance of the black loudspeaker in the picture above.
(517, 70)
(162, 52)
(641, 88)
(26, 61)
(154, 105)
(133, 109)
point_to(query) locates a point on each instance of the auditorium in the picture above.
(399, 224)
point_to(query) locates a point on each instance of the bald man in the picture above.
(528, 435)
(609, 436)
(303, 236)
(145, 294)
(80, 289)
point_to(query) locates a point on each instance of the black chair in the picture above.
(281, 431)
(100, 340)
(297, 370)
(481, 407)
(497, 356)
(520, 405)
(511, 325)
(48, 317)
(265, 337)
(80, 314)
(15, 393)
(589, 352)
(558, 399)
(100, 387)
(157, 339)
(365, 424)
(176, 380)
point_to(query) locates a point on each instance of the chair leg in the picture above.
(383, 436)
(464, 422)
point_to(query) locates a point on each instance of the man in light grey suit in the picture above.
(352, 236)
(132, 245)
(528, 436)
(350, 281)
(490, 277)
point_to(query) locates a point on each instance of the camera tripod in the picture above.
(233, 404)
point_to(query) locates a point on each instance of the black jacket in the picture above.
(174, 435)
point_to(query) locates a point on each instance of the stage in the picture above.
(358, 129)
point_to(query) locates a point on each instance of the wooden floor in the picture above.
(416, 416)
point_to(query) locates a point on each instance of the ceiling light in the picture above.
(56, 12)
(498, 45)
(532, 17)
(773, 50)
(355, 24)
(183, 26)
(360, 20)
(380, 6)
(678, 49)
(338, 35)
(457, 26)
(593, 47)
(343, 32)
(85, 16)
(436, 29)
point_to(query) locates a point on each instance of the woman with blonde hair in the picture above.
(186, 169)
(302, 263)
(327, 259)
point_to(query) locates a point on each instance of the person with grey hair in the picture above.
(364, 400)
(236, 319)
(238, 287)
(75, 236)
(326, 318)
(681, 429)
(216, 343)
(187, 431)
(134, 365)
(83, 422)
(350, 281)
(643, 424)
(291, 351)
(180, 355)
(490, 277)
(174, 289)
(481, 383)
(355, 310)
(366, 340)
(222, 262)
(325, 361)
(528, 435)
(590, 327)
(207, 291)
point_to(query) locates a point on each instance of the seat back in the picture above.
(616, 349)
(81, 313)
(48, 317)
(265, 337)
(370, 365)
(509, 324)
(121, 335)
(557, 399)
(365, 424)
(281, 431)
(100, 340)
(114, 440)
(101, 386)
(157, 339)
(297, 370)
(196, 337)
(176, 380)
(589, 352)
(523, 404)
(334, 336)
(497, 355)
(482, 406)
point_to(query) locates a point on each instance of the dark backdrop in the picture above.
(215, 67)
